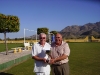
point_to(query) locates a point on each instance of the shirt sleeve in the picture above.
(66, 49)
(34, 51)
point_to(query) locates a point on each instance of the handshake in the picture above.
(49, 59)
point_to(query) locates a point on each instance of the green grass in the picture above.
(12, 45)
(84, 59)
(25, 68)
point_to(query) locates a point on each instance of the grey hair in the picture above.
(42, 34)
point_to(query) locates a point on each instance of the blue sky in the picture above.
(53, 14)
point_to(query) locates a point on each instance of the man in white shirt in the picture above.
(41, 67)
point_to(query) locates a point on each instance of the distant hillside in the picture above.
(76, 31)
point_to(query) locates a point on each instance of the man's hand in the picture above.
(44, 60)
(52, 61)
(39, 59)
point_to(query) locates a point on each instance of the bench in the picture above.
(29, 47)
(17, 49)
(26, 45)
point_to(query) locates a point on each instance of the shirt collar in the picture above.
(61, 43)
(41, 45)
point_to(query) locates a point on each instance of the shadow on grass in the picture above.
(3, 73)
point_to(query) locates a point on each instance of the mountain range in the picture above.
(77, 31)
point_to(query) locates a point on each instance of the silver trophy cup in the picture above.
(48, 53)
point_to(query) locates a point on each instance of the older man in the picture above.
(59, 53)
(41, 67)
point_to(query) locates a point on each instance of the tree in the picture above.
(8, 24)
(53, 32)
(0, 39)
(42, 30)
(8, 38)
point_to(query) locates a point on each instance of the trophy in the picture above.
(48, 53)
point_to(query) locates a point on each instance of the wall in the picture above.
(77, 40)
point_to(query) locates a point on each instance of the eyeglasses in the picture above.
(42, 37)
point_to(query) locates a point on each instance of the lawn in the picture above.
(83, 60)
(12, 45)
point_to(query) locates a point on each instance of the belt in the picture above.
(58, 64)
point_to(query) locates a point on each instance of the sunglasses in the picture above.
(42, 37)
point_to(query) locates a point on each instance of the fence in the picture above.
(8, 64)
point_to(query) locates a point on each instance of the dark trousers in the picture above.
(60, 69)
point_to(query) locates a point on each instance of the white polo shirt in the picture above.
(40, 66)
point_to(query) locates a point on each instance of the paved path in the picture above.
(11, 56)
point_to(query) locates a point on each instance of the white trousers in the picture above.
(42, 73)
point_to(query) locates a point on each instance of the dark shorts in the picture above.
(60, 69)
